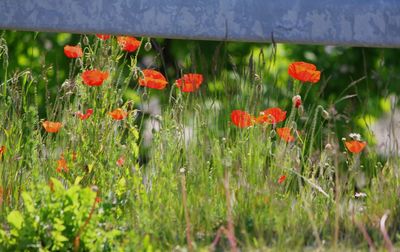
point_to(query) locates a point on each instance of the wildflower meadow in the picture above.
(110, 153)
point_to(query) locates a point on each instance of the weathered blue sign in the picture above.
(340, 22)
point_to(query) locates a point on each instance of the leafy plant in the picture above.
(54, 218)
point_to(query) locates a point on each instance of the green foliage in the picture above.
(53, 217)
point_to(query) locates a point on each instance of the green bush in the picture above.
(57, 219)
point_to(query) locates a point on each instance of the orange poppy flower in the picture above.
(304, 72)
(272, 116)
(103, 36)
(2, 150)
(94, 77)
(189, 82)
(129, 44)
(282, 179)
(73, 51)
(355, 146)
(242, 119)
(118, 114)
(52, 127)
(152, 79)
(120, 161)
(85, 116)
(62, 164)
(284, 133)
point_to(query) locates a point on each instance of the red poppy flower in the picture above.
(103, 36)
(94, 77)
(118, 114)
(284, 133)
(2, 150)
(129, 44)
(52, 127)
(355, 146)
(120, 161)
(282, 179)
(85, 116)
(296, 101)
(304, 72)
(189, 82)
(152, 79)
(73, 51)
(62, 164)
(272, 116)
(242, 119)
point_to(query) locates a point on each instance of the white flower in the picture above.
(360, 195)
(355, 136)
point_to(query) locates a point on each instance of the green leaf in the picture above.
(57, 185)
(78, 180)
(121, 186)
(90, 167)
(28, 202)
(16, 219)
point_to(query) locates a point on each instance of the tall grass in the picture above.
(206, 184)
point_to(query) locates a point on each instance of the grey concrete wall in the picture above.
(335, 22)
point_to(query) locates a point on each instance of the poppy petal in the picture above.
(304, 72)
(189, 82)
(129, 44)
(242, 119)
(152, 79)
(73, 51)
(118, 114)
(52, 127)
(355, 146)
(272, 116)
(284, 134)
(94, 77)
(103, 36)
(282, 179)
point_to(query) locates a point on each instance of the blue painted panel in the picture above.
(336, 22)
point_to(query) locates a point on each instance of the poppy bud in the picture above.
(296, 101)
(135, 73)
(328, 147)
(147, 46)
(282, 179)
(325, 114)
(94, 188)
(158, 117)
(85, 40)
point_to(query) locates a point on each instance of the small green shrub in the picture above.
(57, 219)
